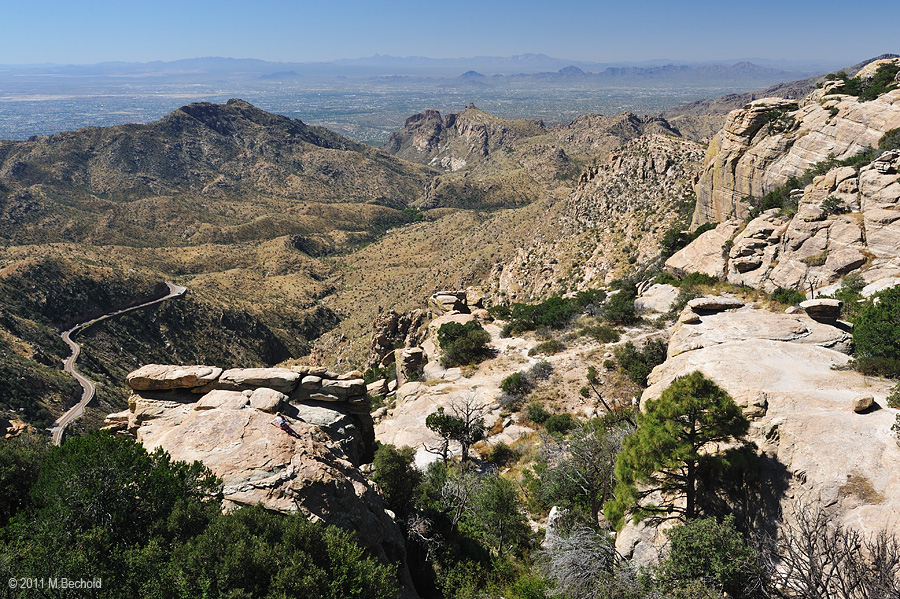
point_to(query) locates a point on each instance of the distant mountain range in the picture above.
(523, 64)
(709, 74)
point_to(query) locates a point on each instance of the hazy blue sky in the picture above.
(86, 31)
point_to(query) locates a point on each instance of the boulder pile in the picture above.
(335, 403)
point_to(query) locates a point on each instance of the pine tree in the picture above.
(676, 438)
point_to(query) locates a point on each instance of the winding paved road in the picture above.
(69, 363)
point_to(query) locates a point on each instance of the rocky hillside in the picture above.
(613, 218)
(236, 203)
(771, 140)
(584, 233)
(842, 221)
(204, 173)
(491, 161)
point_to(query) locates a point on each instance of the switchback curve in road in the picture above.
(87, 386)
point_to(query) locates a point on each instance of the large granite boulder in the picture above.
(280, 379)
(824, 310)
(656, 298)
(267, 400)
(159, 377)
(260, 463)
(705, 254)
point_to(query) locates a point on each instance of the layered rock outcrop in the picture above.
(770, 140)
(224, 419)
(846, 220)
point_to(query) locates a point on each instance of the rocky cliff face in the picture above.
(223, 419)
(787, 372)
(847, 220)
(773, 139)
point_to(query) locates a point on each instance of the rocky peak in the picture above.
(768, 141)
(459, 138)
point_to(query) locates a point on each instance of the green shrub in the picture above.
(833, 205)
(589, 297)
(397, 476)
(890, 140)
(555, 313)
(463, 344)
(560, 423)
(876, 333)
(500, 312)
(502, 454)
(637, 363)
(675, 238)
(713, 552)
(535, 412)
(790, 297)
(893, 400)
(516, 385)
(620, 307)
(380, 372)
(850, 293)
(869, 89)
(540, 371)
(896, 428)
(550, 347)
(665, 278)
(878, 366)
(696, 279)
(601, 333)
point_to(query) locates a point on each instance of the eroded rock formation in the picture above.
(224, 419)
(770, 140)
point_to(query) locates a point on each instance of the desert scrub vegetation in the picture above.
(867, 89)
(601, 332)
(553, 313)
(463, 344)
(519, 384)
(637, 363)
(876, 334)
(893, 400)
(547, 348)
(789, 297)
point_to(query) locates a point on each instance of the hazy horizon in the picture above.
(61, 32)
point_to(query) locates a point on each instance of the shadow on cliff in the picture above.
(750, 487)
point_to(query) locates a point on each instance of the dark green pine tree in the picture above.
(677, 437)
